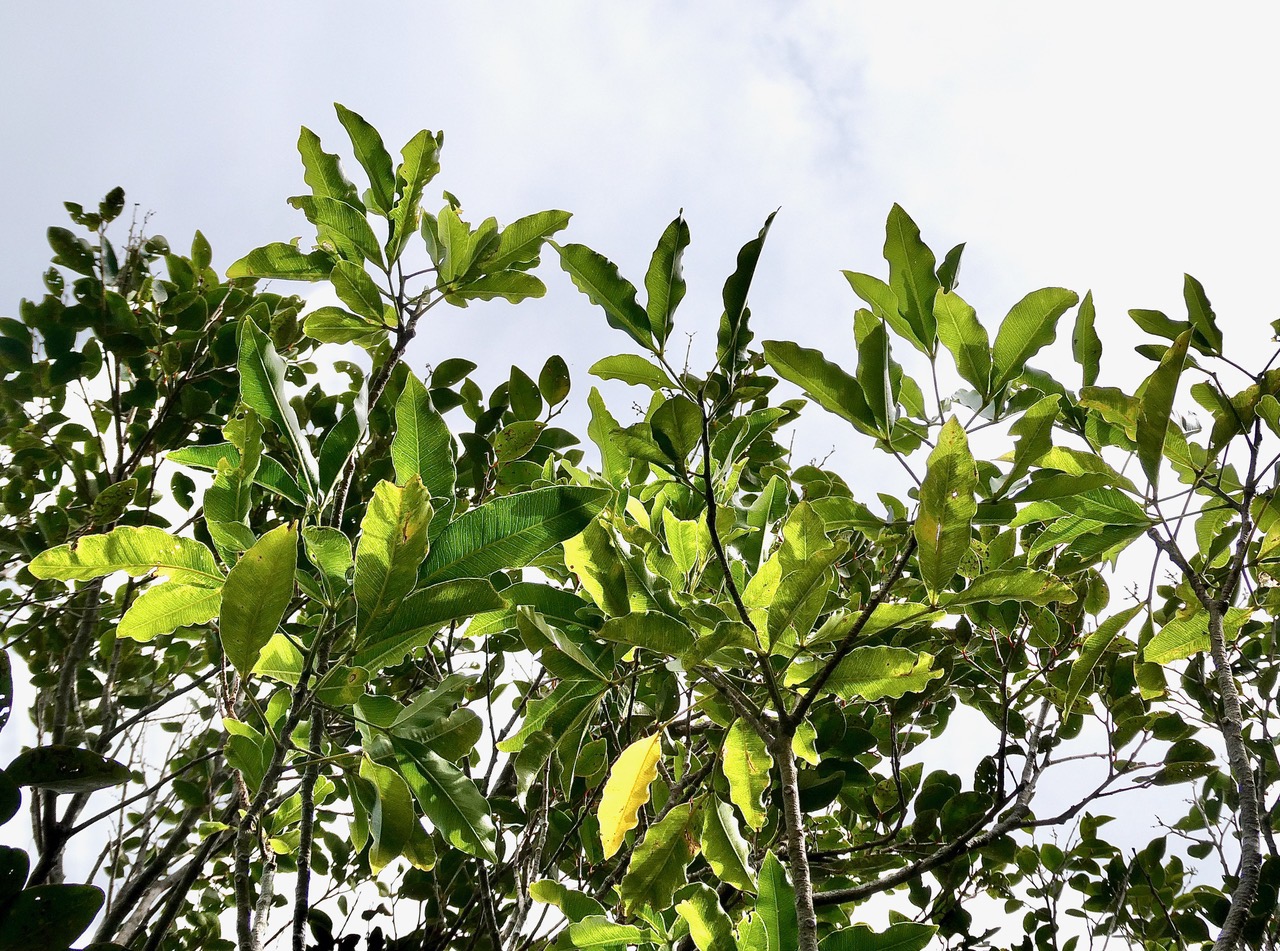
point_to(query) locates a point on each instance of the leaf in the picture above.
(270, 474)
(553, 380)
(776, 906)
(166, 607)
(602, 428)
(658, 863)
(800, 598)
(880, 297)
(511, 286)
(49, 917)
(335, 325)
(597, 931)
(421, 163)
(372, 154)
(520, 242)
(733, 336)
(1178, 639)
(651, 630)
(709, 927)
(262, 388)
(724, 847)
(598, 278)
(322, 171)
(1011, 584)
(356, 289)
(420, 616)
(1086, 346)
(340, 228)
(422, 444)
(902, 936)
(872, 673)
(677, 427)
(746, 763)
(664, 281)
(1200, 312)
(573, 904)
(281, 261)
(510, 531)
(633, 369)
(448, 798)
(1030, 325)
(873, 376)
(391, 821)
(966, 338)
(911, 275)
(137, 551)
(1158, 393)
(393, 543)
(947, 506)
(280, 660)
(342, 439)
(1034, 430)
(1091, 651)
(822, 381)
(256, 595)
(627, 790)
(66, 770)
(949, 269)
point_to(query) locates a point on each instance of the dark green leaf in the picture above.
(598, 278)
(911, 275)
(49, 917)
(448, 798)
(420, 616)
(1086, 346)
(262, 388)
(664, 281)
(1158, 393)
(372, 154)
(66, 769)
(733, 335)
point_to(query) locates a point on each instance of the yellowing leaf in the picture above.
(627, 790)
(746, 764)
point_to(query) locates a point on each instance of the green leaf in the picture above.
(1012, 584)
(633, 369)
(776, 905)
(262, 388)
(257, 594)
(280, 660)
(391, 821)
(597, 931)
(1030, 325)
(137, 551)
(746, 762)
(822, 381)
(598, 278)
(1158, 393)
(1178, 639)
(966, 338)
(1200, 312)
(573, 904)
(733, 335)
(520, 242)
(651, 630)
(873, 376)
(947, 506)
(510, 531)
(281, 261)
(448, 798)
(421, 163)
(658, 863)
(342, 439)
(902, 936)
(66, 769)
(167, 607)
(372, 154)
(422, 445)
(614, 462)
(49, 917)
(335, 325)
(880, 297)
(1091, 651)
(511, 286)
(949, 269)
(593, 557)
(677, 427)
(912, 275)
(1086, 346)
(340, 228)
(871, 673)
(664, 281)
(356, 289)
(420, 616)
(322, 171)
(627, 791)
(393, 543)
(724, 847)
(709, 927)
(553, 380)
(1034, 430)
(270, 474)
(800, 598)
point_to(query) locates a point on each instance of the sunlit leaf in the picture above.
(627, 791)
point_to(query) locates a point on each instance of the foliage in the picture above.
(689, 698)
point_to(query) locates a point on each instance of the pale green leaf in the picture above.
(167, 607)
(262, 388)
(947, 506)
(1029, 326)
(284, 262)
(256, 595)
(1091, 651)
(746, 762)
(966, 338)
(709, 927)
(631, 368)
(871, 673)
(1012, 584)
(776, 906)
(658, 863)
(393, 543)
(598, 278)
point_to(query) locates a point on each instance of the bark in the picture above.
(797, 850)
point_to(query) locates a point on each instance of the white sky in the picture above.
(1111, 146)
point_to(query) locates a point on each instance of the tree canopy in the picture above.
(329, 653)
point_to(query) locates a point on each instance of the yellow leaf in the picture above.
(627, 790)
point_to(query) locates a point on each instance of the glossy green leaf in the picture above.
(724, 847)
(391, 821)
(163, 608)
(776, 906)
(448, 798)
(631, 368)
(262, 387)
(664, 281)
(597, 931)
(372, 155)
(1157, 404)
(136, 551)
(901, 936)
(871, 673)
(658, 863)
(284, 262)
(746, 762)
(393, 543)
(947, 506)
(822, 381)
(966, 339)
(256, 595)
(873, 376)
(1029, 326)
(709, 927)
(422, 444)
(420, 616)
(1086, 346)
(598, 278)
(510, 531)
(1091, 651)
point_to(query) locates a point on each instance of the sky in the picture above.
(1091, 145)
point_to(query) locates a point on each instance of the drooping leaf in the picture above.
(256, 595)
(657, 867)
(262, 388)
(724, 846)
(1030, 325)
(822, 381)
(709, 926)
(1086, 346)
(734, 335)
(598, 278)
(776, 906)
(448, 798)
(664, 281)
(627, 791)
(746, 762)
(947, 506)
(966, 338)
(166, 607)
(391, 820)
(283, 262)
(66, 769)
(511, 286)
(1091, 651)
(510, 531)
(393, 543)
(420, 616)
(1157, 404)
(872, 673)
(136, 551)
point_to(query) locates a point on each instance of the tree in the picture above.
(687, 697)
